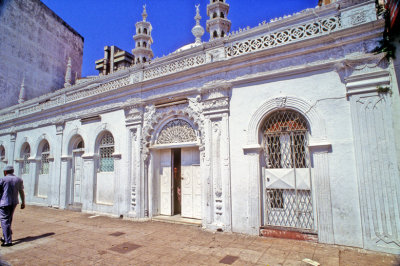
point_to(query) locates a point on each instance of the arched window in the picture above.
(2, 153)
(2, 158)
(144, 59)
(138, 30)
(222, 15)
(145, 31)
(25, 154)
(215, 15)
(215, 34)
(144, 44)
(80, 145)
(44, 161)
(106, 150)
(138, 44)
(285, 140)
(222, 33)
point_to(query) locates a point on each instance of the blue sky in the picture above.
(112, 22)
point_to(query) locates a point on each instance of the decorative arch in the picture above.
(72, 139)
(38, 146)
(98, 134)
(316, 122)
(176, 130)
(25, 154)
(155, 120)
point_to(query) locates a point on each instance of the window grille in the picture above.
(44, 162)
(285, 140)
(26, 153)
(106, 153)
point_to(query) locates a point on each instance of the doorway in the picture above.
(176, 168)
(180, 182)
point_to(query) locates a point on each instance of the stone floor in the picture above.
(45, 236)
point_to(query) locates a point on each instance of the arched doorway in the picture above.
(287, 199)
(176, 171)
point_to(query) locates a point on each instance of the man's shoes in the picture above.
(6, 244)
(2, 240)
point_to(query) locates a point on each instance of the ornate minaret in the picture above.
(22, 96)
(198, 30)
(218, 25)
(143, 40)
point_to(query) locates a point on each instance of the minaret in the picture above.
(143, 40)
(198, 30)
(22, 96)
(68, 74)
(218, 25)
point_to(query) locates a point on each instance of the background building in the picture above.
(35, 45)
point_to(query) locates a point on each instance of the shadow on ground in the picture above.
(31, 238)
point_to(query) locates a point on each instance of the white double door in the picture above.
(190, 183)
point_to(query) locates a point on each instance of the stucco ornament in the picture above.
(176, 131)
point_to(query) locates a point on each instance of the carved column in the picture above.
(376, 158)
(134, 118)
(217, 162)
(11, 152)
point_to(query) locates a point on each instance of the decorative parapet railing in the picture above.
(170, 68)
(290, 35)
(132, 78)
(112, 85)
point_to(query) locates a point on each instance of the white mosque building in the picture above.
(289, 128)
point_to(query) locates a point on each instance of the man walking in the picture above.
(10, 186)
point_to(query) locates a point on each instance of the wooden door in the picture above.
(165, 182)
(191, 183)
(77, 176)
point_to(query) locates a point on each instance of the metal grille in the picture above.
(106, 153)
(288, 200)
(44, 164)
(26, 153)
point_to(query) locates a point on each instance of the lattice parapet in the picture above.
(290, 35)
(175, 66)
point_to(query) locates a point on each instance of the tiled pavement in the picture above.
(45, 236)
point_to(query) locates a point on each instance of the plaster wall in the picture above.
(324, 92)
(34, 43)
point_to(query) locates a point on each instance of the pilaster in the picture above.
(65, 194)
(134, 118)
(54, 193)
(376, 158)
(216, 156)
(252, 153)
(88, 199)
(322, 201)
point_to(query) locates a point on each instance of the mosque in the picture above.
(287, 129)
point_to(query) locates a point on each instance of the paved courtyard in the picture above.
(45, 236)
